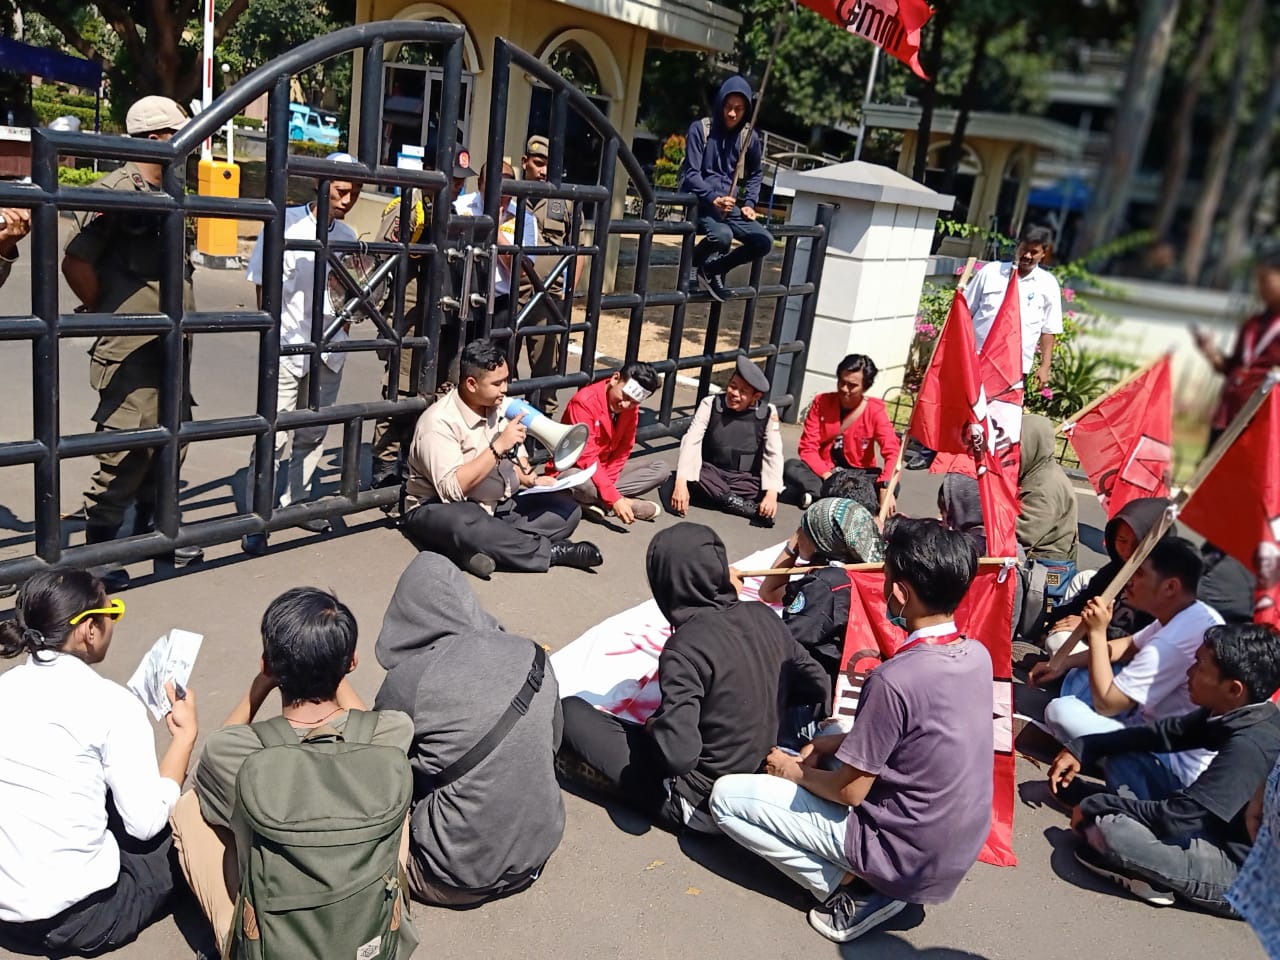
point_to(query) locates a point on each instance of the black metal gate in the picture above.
(447, 243)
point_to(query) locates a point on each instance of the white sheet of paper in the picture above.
(170, 658)
(562, 482)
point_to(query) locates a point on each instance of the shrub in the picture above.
(79, 176)
(253, 123)
(667, 169)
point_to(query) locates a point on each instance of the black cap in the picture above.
(754, 376)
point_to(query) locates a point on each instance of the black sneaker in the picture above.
(583, 554)
(1096, 863)
(713, 283)
(317, 525)
(848, 913)
(254, 544)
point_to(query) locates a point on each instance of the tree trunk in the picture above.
(933, 62)
(1224, 141)
(1174, 177)
(964, 106)
(1132, 123)
(1249, 176)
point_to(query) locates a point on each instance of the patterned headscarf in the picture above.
(843, 530)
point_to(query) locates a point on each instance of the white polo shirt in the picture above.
(67, 736)
(1039, 300)
(472, 205)
(296, 287)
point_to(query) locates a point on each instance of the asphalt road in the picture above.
(615, 888)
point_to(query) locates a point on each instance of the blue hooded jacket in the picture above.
(709, 161)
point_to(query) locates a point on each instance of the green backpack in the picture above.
(318, 822)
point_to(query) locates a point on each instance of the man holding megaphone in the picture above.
(467, 464)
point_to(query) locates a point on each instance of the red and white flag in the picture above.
(986, 614)
(892, 25)
(1237, 506)
(1124, 441)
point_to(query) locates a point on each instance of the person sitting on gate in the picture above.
(85, 853)
(714, 148)
(466, 464)
(610, 409)
(1162, 838)
(1048, 518)
(831, 530)
(487, 829)
(904, 814)
(1152, 684)
(297, 313)
(732, 452)
(472, 205)
(842, 430)
(726, 674)
(308, 649)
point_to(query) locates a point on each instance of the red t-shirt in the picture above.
(1257, 350)
(869, 428)
(611, 439)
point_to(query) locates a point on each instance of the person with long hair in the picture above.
(81, 871)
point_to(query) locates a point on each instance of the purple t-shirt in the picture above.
(925, 728)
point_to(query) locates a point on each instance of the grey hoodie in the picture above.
(452, 668)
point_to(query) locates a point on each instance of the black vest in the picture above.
(735, 441)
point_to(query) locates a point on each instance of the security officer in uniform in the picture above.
(112, 264)
(392, 434)
(555, 217)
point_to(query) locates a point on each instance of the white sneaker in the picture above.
(1096, 863)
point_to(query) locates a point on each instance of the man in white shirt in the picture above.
(1153, 683)
(472, 205)
(1039, 300)
(296, 312)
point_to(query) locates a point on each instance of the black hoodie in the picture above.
(711, 159)
(725, 671)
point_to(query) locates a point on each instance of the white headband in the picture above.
(636, 392)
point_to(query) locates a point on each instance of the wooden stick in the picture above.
(1229, 436)
(856, 567)
(1089, 407)
(896, 472)
(778, 27)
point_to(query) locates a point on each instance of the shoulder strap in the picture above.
(360, 726)
(276, 732)
(706, 127)
(471, 759)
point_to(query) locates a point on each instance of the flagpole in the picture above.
(854, 567)
(1184, 494)
(896, 472)
(778, 27)
(1093, 404)
(866, 102)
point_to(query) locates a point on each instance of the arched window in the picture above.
(413, 81)
(585, 60)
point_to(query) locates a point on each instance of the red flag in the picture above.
(892, 25)
(950, 402)
(1237, 506)
(986, 614)
(1124, 442)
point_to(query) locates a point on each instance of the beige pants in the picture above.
(207, 855)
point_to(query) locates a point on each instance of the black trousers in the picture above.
(518, 534)
(716, 483)
(626, 755)
(113, 917)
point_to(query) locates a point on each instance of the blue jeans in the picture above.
(713, 254)
(1072, 715)
(798, 833)
(1140, 776)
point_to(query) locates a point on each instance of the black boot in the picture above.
(583, 554)
(143, 515)
(739, 507)
(114, 577)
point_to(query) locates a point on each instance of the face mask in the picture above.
(899, 621)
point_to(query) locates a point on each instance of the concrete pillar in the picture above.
(876, 259)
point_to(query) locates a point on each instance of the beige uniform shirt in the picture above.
(689, 466)
(448, 435)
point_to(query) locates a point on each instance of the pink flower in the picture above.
(1068, 294)
(1071, 314)
(1047, 393)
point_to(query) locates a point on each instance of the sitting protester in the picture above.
(856, 485)
(731, 455)
(85, 852)
(1253, 893)
(1152, 684)
(1159, 836)
(830, 530)
(904, 815)
(611, 411)
(308, 648)
(483, 824)
(1048, 516)
(726, 673)
(960, 509)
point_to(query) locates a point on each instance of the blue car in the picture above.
(308, 123)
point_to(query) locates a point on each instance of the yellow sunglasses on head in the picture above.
(114, 610)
